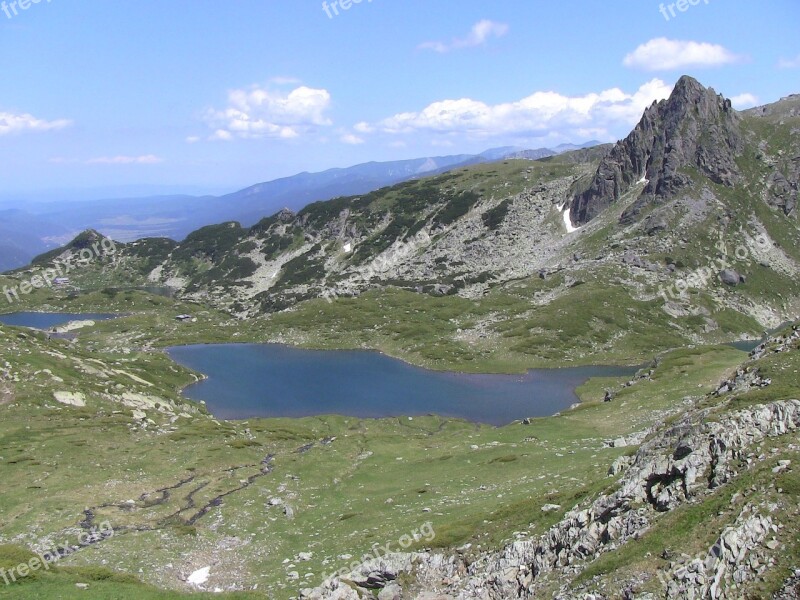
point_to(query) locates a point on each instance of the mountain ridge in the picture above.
(175, 216)
(711, 255)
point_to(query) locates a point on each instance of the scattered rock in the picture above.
(70, 398)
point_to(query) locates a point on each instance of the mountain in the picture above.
(128, 218)
(500, 153)
(690, 222)
(531, 154)
(540, 153)
(679, 481)
(253, 203)
(561, 148)
(693, 129)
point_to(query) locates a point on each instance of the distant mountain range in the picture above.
(32, 228)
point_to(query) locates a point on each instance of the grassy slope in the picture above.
(339, 493)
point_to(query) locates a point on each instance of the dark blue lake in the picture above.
(270, 380)
(49, 320)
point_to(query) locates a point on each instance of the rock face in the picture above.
(693, 128)
(782, 193)
(729, 561)
(683, 462)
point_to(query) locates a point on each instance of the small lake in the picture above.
(271, 380)
(45, 321)
(750, 345)
(746, 345)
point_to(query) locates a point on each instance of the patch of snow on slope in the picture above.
(567, 221)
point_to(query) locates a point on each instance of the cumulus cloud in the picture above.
(480, 33)
(743, 101)
(148, 159)
(258, 112)
(23, 122)
(542, 114)
(789, 63)
(363, 127)
(353, 140)
(662, 54)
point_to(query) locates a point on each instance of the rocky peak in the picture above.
(694, 127)
(285, 215)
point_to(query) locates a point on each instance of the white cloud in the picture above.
(258, 112)
(349, 138)
(542, 114)
(148, 159)
(789, 63)
(363, 127)
(21, 122)
(662, 54)
(480, 33)
(193, 139)
(743, 101)
(221, 135)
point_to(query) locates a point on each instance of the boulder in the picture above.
(70, 398)
(655, 224)
(730, 277)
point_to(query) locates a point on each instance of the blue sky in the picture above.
(219, 95)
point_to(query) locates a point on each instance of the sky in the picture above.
(201, 95)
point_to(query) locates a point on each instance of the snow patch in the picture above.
(200, 576)
(567, 221)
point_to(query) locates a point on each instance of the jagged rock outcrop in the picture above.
(685, 461)
(695, 127)
(781, 193)
(737, 557)
(777, 345)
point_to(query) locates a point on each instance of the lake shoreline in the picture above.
(242, 381)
